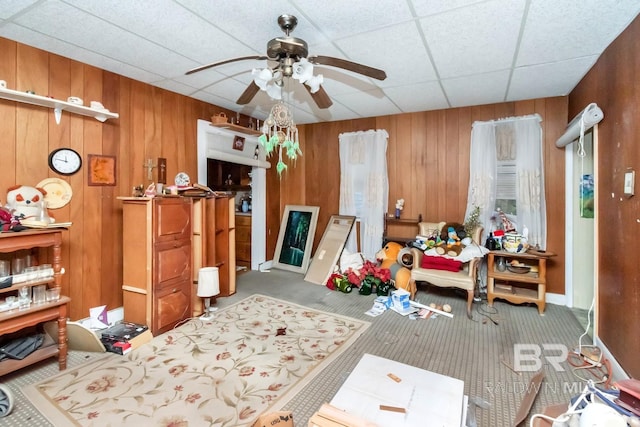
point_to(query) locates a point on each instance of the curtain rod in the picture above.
(509, 119)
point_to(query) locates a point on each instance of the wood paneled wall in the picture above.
(153, 123)
(613, 84)
(428, 166)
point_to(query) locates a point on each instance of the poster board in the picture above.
(330, 248)
(295, 238)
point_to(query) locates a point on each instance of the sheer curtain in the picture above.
(364, 186)
(498, 139)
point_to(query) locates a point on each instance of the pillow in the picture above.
(440, 263)
(470, 252)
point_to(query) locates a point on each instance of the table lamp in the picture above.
(208, 286)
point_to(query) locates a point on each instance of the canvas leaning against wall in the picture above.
(295, 239)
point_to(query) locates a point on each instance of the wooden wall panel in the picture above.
(152, 122)
(8, 113)
(612, 84)
(428, 165)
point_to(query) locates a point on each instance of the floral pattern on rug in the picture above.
(224, 372)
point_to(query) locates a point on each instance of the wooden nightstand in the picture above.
(518, 288)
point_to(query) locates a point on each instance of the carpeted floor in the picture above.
(254, 355)
(480, 351)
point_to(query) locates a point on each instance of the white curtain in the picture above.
(364, 186)
(522, 137)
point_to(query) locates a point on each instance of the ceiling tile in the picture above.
(476, 39)
(398, 50)
(559, 78)
(562, 30)
(433, 7)
(339, 19)
(418, 97)
(8, 8)
(473, 50)
(477, 89)
(182, 31)
(122, 46)
(368, 104)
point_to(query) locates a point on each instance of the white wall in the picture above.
(217, 143)
(583, 230)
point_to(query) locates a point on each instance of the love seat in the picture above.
(462, 279)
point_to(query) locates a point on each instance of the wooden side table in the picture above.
(518, 288)
(15, 320)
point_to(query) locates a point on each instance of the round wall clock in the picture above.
(65, 161)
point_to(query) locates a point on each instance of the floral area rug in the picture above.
(252, 357)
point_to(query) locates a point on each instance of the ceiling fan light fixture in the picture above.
(302, 70)
(262, 77)
(314, 83)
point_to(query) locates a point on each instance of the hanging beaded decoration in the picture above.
(279, 132)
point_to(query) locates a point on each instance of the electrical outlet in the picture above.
(629, 183)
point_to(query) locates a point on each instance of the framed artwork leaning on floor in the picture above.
(295, 238)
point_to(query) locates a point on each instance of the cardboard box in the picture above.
(275, 419)
(400, 299)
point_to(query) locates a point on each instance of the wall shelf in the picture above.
(57, 105)
(237, 129)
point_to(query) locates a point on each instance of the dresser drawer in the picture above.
(243, 220)
(171, 305)
(171, 219)
(172, 263)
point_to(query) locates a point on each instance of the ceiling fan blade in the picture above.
(248, 93)
(215, 64)
(321, 98)
(348, 65)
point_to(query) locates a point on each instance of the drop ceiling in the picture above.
(437, 53)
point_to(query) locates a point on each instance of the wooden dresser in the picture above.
(157, 257)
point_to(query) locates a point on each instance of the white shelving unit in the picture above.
(57, 105)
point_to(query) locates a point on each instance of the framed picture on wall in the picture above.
(295, 239)
(102, 170)
(238, 143)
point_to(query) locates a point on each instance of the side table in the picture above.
(518, 288)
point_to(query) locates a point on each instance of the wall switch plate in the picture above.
(629, 183)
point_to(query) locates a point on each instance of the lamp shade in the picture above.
(208, 282)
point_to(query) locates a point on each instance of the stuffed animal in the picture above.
(24, 201)
(388, 258)
(452, 234)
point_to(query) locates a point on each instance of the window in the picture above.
(507, 173)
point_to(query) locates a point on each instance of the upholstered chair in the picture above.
(465, 278)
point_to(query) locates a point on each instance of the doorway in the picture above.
(217, 143)
(581, 228)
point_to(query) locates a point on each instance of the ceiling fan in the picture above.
(290, 53)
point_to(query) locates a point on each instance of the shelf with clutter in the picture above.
(96, 110)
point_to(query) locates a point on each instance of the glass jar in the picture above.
(502, 264)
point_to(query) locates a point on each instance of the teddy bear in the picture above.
(388, 258)
(24, 201)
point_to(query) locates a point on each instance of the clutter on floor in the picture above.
(124, 337)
